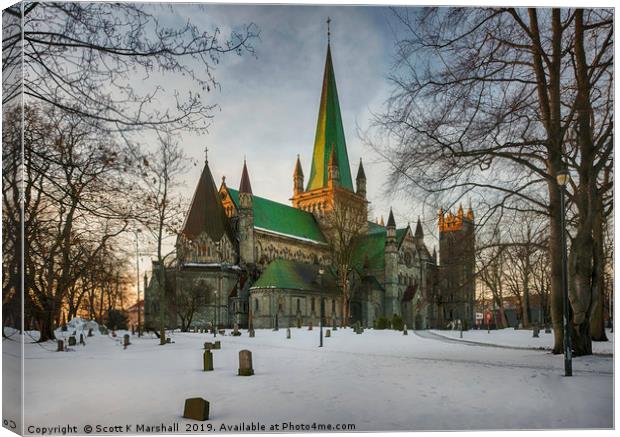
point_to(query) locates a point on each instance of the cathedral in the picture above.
(247, 260)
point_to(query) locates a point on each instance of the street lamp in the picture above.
(215, 322)
(321, 271)
(136, 232)
(563, 177)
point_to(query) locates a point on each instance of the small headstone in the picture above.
(113, 333)
(328, 333)
(298, 323)
(310, 325)
(90, 332)
(207, 359)
(217, 345)
(61, 346)
(72, 341)
(405, 330)
(126, 341)
(222, 332)
(168, 340)
(535, 332)
(547, 329)
(288, 333)
(252, 333)
(209, 345)
(245, 363)
(82, 340)
(196, 409)
(236, 329)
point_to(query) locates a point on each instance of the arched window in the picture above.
(255, 305)
(312, 305)
(298, 305)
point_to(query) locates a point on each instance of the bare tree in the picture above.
(191, 299)
(489, 100)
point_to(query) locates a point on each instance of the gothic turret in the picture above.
(333, 179)
(298, 178)
(360, 180)
(419, 233)
(391, 268)
(246, 219)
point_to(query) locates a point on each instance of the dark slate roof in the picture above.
(206, 213)
(282, 219)
(294, 275)
(298, 170)
(419, 233)
(245, 186)
(360, 171)
(391, 221)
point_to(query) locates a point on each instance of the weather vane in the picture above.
(329, 20)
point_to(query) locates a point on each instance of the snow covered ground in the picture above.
(380, 380)
(522, 338)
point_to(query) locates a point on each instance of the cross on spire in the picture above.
(329, 20)
(206, 153)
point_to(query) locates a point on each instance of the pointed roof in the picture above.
(329, 134)
(391, 221)
(206, 213)
(360, 171)
(298, 170)
(245, 186)
(419, 233)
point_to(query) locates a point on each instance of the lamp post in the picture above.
(322, 309)
(215, 322)
(563, 177)
(136, 232)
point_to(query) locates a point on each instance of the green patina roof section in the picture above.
(283, 219)
(372, 247)
(329, 133)
(293, 275)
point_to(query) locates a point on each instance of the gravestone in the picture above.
(405, 330)
(113, 333)
(310, 325)
(547, 329)
(298, 323)
(535, 331)
(288, 333)
(126, 341)
(61, 346)
(217, 345)
(168, 340)
(72, 341)
(222, 332)
(82, 340)
(196, 409)
(328, 333)
(236, 330)
(90, 332)
(252, 333)
(208, 345)
(207, 359)
(245, 363)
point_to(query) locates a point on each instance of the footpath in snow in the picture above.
(376, 381)
(521, 338)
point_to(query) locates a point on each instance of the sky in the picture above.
(268, 103)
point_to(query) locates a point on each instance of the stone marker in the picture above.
(168, 340)
(298, 323)
(61, 346)
(126, 341)
(209, 345)
(217, 345)
(310, 325)
(288, 332)
(196, 409)
(245, 363)
(90, 332)
(236, 329)
(252, 333)
(535, 331)
(207, 359)
(222, 332)
(328, 333)
(72, 341)
(405, 330)
(82, 339)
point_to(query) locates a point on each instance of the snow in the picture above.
(379, 380)
(295, 237)
(521, 338)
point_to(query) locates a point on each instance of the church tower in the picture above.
(457, 265)
(246, 219)
(298, 178)
(330, 186)
(392, 303)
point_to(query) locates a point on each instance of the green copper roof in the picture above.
(294, 275)
(283, 219)
(329, 133)
(371, 248)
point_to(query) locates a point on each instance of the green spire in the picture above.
(329, 133)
